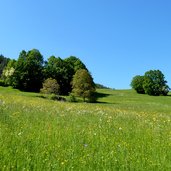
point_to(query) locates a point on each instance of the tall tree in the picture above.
(28, 74)
(83, 84)
(3, 63)
(155, 83)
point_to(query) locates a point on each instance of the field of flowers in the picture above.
(124, 131)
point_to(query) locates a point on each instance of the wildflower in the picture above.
(120, 128)
(85, 145)
(19, 133)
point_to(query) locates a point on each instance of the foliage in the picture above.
(3, 63)
(57, 97)
(155, 83)
(42, 135)
(83, 85)
(75, 64)
(8, 72)
(28, 74)
(152, 83)
(2, 83)
(72, 98)
(30, 70)
(63, 71)
(50, 86)
(137, 84)
(56, 68)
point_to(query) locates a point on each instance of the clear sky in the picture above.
(116, 39)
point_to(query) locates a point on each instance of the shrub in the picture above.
(72, 98)
(57, 97)
(50, 86)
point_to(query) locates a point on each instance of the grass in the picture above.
(124, 131)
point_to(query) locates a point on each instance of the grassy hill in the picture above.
(123, 131)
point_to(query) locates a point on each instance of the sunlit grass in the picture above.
(125, 131)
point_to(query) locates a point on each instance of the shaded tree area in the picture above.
(63, 71)
(152, 83)
(30, 72)
(3, 63)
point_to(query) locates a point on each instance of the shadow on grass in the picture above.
(101, 95)
(98, 96)
(41, 96)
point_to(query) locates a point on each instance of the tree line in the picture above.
(66, 76)
(61, 76)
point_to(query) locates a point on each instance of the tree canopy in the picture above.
(30, 72)
(137, 84)
(83, 84)
(152, 83)
(3, 63)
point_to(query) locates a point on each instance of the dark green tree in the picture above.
(3, 63)
(58, 69)
(83, 85)
(28, 74)
(155, 83)
(137, 84)
(73, 65)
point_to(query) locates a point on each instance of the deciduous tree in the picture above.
(83, 85)
(137, 84)
(155, 83)
(50, 86)
(28, 73)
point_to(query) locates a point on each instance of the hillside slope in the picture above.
(123, 131)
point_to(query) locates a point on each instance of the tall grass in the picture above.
(40, 134)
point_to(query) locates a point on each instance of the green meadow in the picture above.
(123, 131)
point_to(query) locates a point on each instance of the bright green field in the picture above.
(124, 131)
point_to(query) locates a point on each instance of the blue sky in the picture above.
(116, 39)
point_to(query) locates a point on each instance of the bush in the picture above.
(72, 98)
(50, 86)
(58, 98)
